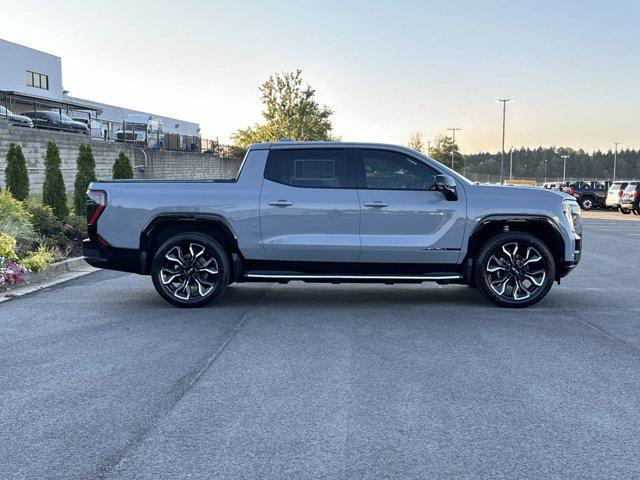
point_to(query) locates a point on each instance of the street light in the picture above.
(564, 169)
(615, 159)
(545, 170)
(511, 163)
(504, 114)
(453, 146)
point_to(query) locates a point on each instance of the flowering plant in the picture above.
(10, 272)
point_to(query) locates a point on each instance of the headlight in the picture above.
(572, 212)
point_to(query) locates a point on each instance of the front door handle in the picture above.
(280, 203)
(376, 204)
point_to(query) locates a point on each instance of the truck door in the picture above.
(403, 219)
(309, 208)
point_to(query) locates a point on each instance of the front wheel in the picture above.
(515, 269)
(190, 269)
(624, 211)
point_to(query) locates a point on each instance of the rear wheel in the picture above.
(515, 269)
(587, 203)
(624, 211)
(190, 269)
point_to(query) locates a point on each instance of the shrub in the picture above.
(16, 176)
(38, 260)
(43, 220)
(10, 273)
(75, 228)
(122, 167)
(86, 174)
(7, 247)
(53, 191)
(15, 220)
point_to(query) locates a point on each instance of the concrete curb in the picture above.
(69, 265)
(57, 273)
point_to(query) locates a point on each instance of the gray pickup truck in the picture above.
(334, 212)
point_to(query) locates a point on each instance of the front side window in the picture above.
(386, 170)
(311, 168)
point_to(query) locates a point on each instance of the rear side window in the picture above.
(386, 170)
(311, 168)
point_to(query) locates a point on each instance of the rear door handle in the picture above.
(280, 203)
(376, 204)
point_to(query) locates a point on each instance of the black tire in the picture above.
(587, 203)
(190, 269)
(624, 211)
(515, 274)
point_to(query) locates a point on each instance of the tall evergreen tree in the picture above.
(53, 192)
(122, 167)
(16, 176)
(85, 175)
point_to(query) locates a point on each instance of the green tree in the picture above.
(16, 176)
(290, 111)
(416, 142)
(122, 167)
(85, 175)
(441, 151)
(53, 191)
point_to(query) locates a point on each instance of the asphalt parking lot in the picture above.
(99, 378)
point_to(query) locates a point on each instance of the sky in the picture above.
(387, 69)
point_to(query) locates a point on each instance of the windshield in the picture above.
(631, 188)
(135, 126)
(60, 117)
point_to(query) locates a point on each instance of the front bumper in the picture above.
(105, 256)
(565, 267)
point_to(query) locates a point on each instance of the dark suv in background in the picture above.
(57, 121)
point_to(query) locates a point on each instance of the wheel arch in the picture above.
(164, 226)
(541, 226)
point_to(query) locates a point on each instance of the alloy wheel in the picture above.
(189, 271)
(515, 271)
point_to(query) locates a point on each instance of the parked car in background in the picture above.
(57, 121)
(589, 194)
(334, 212)
(615, 193)
(142, 130)
(17, 120)
(630, 198)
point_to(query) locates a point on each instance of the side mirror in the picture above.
(447, 185)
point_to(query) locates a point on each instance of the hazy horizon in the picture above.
(385, 70)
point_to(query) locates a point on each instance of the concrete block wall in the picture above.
(158, 164)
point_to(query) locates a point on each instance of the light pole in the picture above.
(504, 115)
(615, 159)
(545, 170)
(564, 169)
(511, 163)
(453, 146)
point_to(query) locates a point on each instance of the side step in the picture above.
(338, 278)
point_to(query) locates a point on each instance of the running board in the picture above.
(284, 277)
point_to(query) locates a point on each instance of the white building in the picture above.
(32, 80)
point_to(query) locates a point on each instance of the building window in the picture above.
(37, 80)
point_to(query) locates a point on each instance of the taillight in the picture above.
(570, 191)
(96, 202)
(635, 195)
(620, 192)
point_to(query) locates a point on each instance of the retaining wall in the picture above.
(158, 164)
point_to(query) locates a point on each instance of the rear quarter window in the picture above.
(309, 168)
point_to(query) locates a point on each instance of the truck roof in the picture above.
(322, 144)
